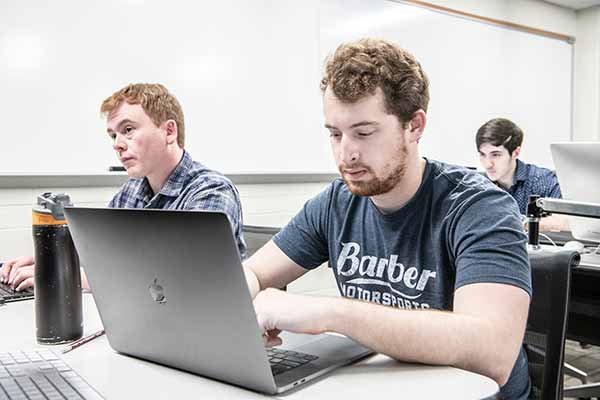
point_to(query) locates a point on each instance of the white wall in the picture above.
(586, 124)
(263, 204)
(583, 24)
(477, 71)
(217, 71)
(275, 204)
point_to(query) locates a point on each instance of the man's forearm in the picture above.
(252, 281)
(554, 222)
(424, 336)
(85, 285)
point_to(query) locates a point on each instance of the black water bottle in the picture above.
(58, 303)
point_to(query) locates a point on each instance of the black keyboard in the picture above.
(284, 360)
(7, 294)
(40, 374)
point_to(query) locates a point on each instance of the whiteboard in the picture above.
(247, 76)
(477, 71)
(245, 72)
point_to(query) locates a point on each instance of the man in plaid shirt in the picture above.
(499, 144)
(146, 125)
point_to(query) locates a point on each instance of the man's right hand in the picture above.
(278, 311)
(18, 273)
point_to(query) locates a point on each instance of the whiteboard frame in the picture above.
(513, 26)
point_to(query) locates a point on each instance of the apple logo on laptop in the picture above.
(157, 292)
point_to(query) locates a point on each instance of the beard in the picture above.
(393, 174)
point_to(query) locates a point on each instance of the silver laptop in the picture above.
(170, 288)
(578, 170)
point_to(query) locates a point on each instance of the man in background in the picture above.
(499, 144)
(430, 258)
(146, 125)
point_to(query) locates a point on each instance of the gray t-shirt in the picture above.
(458, 229)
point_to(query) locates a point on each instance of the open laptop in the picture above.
(9, 295)
(170, 288)
(578, 169)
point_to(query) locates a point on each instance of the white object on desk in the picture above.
(117, 376)
(574, 245)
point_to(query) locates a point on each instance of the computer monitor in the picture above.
(578, 169)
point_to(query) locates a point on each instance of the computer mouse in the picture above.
(574, 245)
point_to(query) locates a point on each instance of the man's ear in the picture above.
(416, 126)
(515, 153)
(171, 130)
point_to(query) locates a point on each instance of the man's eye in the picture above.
(128, 129)
(364, 133)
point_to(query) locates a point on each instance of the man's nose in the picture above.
(119, 144)
(349, 153)
(487, 163)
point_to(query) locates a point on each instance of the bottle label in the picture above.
(46, 219)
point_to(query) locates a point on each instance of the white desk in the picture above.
(117, 376)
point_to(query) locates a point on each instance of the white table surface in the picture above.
(117, 376)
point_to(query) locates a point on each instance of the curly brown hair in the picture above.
(357, 69)
(155, 99)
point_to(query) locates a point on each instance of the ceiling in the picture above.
(575, 4)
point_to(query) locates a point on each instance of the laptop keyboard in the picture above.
(284, 360)
(7, 294)
(40, 374)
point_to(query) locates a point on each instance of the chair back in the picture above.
(548, 312)
(257, 236)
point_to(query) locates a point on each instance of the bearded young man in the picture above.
(430, 259)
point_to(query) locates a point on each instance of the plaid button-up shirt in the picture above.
(530, 180)
(191, 186)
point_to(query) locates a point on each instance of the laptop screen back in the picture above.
(578, 169)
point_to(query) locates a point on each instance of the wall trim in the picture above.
(493, 21)
(117, 179)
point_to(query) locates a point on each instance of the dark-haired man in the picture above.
(499, 144)
(145, 123)
(430, 259)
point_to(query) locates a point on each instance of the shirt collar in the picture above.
(174, 184)
(521, 172)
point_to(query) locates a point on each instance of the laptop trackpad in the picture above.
(332, 351)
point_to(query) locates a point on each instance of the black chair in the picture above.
(257, 236)
(547, 322)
